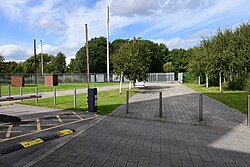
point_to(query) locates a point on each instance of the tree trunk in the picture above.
(206, 81)
(121, 83)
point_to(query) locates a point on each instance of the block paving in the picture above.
(141, 138)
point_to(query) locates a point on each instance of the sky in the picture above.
(60, 23)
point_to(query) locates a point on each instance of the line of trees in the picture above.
(225, 54)
(138, 51)
(52, 64)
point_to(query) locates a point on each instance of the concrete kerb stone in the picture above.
(35, 141)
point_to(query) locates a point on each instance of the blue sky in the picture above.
(60, 23)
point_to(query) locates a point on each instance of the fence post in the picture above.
(74, 98)
(54, 96)
(200, 107)
(36, 89)
(9, 90)
(160, 104)
(248, 113)
(127, 100)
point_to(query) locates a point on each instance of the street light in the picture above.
(42, 58)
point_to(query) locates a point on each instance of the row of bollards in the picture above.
(200, 109)
(54, 97)
(200, 112)
(36, 92)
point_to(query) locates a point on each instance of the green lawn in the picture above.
(107, 101)
(30, 88)
(234, 99)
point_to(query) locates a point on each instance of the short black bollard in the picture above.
(9, 90)
(127, 100)
(160, 104)
(200, 107)
(0, 91)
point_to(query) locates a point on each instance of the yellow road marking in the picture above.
(43, 130)
(77, 115)
(9, 131)
(65, 132)
(59, 119)
(32, 142)
(38, 125)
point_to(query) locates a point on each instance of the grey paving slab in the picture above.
(180, 105)
(140, 138)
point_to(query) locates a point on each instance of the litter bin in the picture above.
(92, 99)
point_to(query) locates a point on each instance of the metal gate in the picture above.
(161, 77)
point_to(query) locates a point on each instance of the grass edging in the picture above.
(107, 101)
(234, 99)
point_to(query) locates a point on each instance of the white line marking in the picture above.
(38, 125)
(59, 119)
(77, 115)
(9, 131)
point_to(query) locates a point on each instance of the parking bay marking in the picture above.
(43, 130)
(38, 123)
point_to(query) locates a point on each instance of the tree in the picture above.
(97, 57)
(179, 59)
(29, 64)
(58, 64)
(168, 67)
(1, 63)
(132, 59)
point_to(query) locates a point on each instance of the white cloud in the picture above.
(63, 21)
(176, 42)
(13, 52)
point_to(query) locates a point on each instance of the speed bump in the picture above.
(36, 141)
(31, 142)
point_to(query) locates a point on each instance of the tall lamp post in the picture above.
(42, 59)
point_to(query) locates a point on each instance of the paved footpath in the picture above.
(140, 138)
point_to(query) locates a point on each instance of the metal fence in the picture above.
(161, 77)
(82, 78)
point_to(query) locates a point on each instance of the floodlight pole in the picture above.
(107, 31)
(87, 53)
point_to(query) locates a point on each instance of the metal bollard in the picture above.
(54, 96)
(9, 90)
(21, 91)
(74, 98)
(200, 107)
(160, 104)
(0, 91)
(127, 100)
(36, 89)
(248, 113)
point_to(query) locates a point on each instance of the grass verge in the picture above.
(30, 88)
(234, 99)
(107, 101)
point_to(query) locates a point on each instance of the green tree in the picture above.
(1, 63)
(168, 67)
(97, 57)
(58, 64)
(179, 59)
(132, 60)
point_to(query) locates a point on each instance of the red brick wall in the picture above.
(51, 80)
(17, 81)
